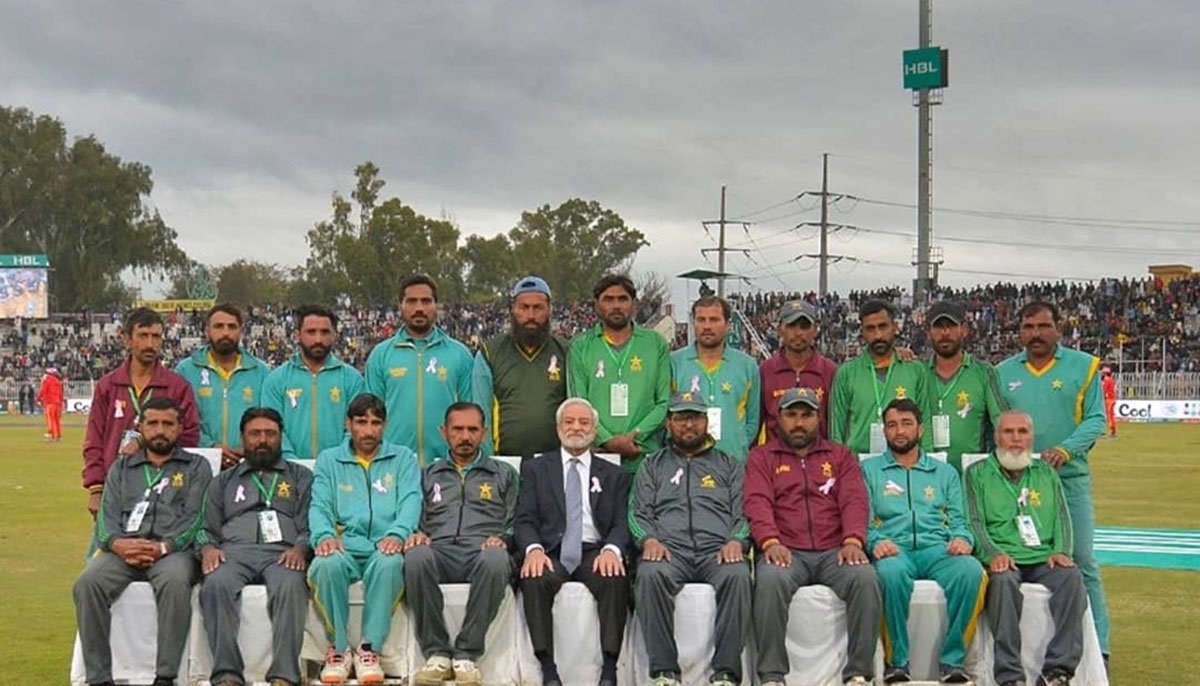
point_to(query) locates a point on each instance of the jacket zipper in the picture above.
(370, 503)
(912, 514)
(462, 503)
(313, 402)
(812, 537)
(420, 407)
(691, 529)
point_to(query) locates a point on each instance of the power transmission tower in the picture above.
(721, 249)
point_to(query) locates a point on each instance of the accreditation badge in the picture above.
(618, 399)
(941, 431)
(268, 525)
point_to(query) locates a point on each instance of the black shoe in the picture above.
(1018, 682)
(608, 681)
(1105, 656)
(552, 682)
(1055, 677)
(164, 681)
(896, 675)
(954, 675)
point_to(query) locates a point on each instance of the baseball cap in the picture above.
(946, 309)
(686, 402)
(793, 310)
(531, 284)
(799, 396)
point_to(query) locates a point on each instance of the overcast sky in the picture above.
(251, 113)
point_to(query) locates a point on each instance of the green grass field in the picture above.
(1146, 478)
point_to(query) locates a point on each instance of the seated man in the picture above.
(686, 512)
(369, 490)
(465, 533)
(807, 508)
(256, 532)
(145, 529)
(918, 531)
(566, 535)
(1023, 533)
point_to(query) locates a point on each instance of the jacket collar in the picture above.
(924, 463)
(402, 339)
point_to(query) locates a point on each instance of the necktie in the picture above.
(572, 544)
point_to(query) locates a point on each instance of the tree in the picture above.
(491, 267)
(574, 244)
(366, 257)
(192, 281)
(247, 282)
(81, 206)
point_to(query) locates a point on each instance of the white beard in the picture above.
(1014, 460)
(576, 442)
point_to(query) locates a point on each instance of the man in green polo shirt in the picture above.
(520, 376)
(1060, 388)
(964, 393)
(726, 378)
(624, 371)
(865, 385)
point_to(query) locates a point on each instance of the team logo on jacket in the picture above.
(930, 493)
(707, 481)
(248, 394)
(1057, 384)
(553, 373)
(442, 373)
(293, 395)
(727, 387)
(892, 488)
(335, 395)
(284, 490)
(204, 392)
(388, 479)
(177, 480)
(826, 469)
(783, 469)
(485, 491)
(635, 364)
(901, 392)
(398, 372)
(1035, 498)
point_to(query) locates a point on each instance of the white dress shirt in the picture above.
(590, 534)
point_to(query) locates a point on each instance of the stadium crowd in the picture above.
(701, 455)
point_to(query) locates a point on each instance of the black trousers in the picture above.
(612, 600)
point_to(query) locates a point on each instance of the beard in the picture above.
(316, 352)
(531, 337)
(262, 456)
(947, 348)
(160, 445)
(798, 439)
(575, 441)
(224, 347)
(1014, 460)
(690, 444)
(902, 446)
(880, 348)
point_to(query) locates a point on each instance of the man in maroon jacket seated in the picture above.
(808, 510)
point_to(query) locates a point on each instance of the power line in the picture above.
(1150, 225)
(1038, 246)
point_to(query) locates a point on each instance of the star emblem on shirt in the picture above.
(820, 393)
(727, 387)
(901, 392)
(442, 373)
(485, 491)
(1035, 499)
(284, 490)
(1057, 384)
(177, 480)
(635, 364)
(963, 398)
(930, 494)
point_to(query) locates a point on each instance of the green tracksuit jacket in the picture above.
(366, 504)
(994, 502)
(313, 406)
(914, 508)
(972, 402)
(859, 396)
(733, 388)
(220, 398)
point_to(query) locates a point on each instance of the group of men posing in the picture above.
(743, 476)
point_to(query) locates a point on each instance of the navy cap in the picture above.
(686, 402)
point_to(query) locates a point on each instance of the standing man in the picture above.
(807, 507)
(566, 535)
(624, 371)
(145, 529)
(918, 531)
(1023, 534)
(964, 393)
(50, 397)
(120, 395)
(520, 376)
(726, 379)
(465, 535)
(256, 532)
(798, 364)
(419, 372)
(1059, 388)
(312, 390)
(865, 385)
(366, 502)
(226, 379)
(1108, 384)
(686, 515)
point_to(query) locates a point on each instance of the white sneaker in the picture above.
(337, 667)
(437, 670)
(466, 673)
(366, 667)
(858, 681)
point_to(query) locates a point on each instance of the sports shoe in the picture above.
(226, 680)
(466, 673)
(663, 679)
(774, 683)
(858, 681)
(366, 666)
(954, 675)
(282, 682)
(896, 674)
(724, 679)
(1055, 677)
(437, 670)
(337, 667)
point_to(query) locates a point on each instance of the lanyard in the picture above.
(953, 382)
(880, 390)
(151, 480)
(624, 357)
(137, 404)
(1021, 488)
(268, 494)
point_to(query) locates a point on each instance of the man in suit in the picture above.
(571, 525)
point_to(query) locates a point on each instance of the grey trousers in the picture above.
(1068, 600)
(774, 587)
(488, 572)
(98, 587)
(287, 605)
(654, 594)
